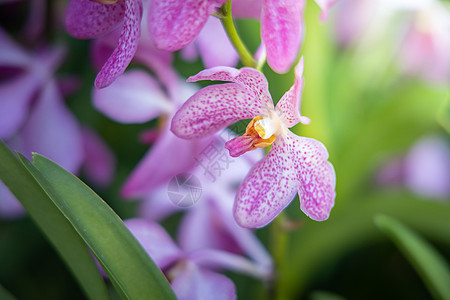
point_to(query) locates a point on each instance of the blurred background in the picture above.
(377, 89)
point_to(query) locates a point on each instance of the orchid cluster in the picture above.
(203, 138)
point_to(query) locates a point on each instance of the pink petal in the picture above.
(214, 45)
(282, 32)
(135, 97)
(155, 240)
(126, 47)
(193, 283)
(218, 106)
(87, 19)
(175, 24)
(247, 9)
(168, 157)
(52, 131)
(157, 206)
(289, 105)
(268, 188)
(325, 6)
(316, 176)
(99, 162)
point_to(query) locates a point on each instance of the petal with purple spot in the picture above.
(87, 19)
(282, 32)
(289, 105)
(126, 47)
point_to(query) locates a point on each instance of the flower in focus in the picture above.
(193, 273)
(87, 19)
(294, 164)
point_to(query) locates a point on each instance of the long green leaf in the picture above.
(5, 295)
(131, 270)
(52, 223)
(431, 266)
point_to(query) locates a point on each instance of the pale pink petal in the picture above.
(168, 157)
(52, 131)
(175, 24)
(155, 240)
(126, 47)
(214, 46)
(217, 259)
(246, 9)
(325, 6)
(316, 176)
(99, 162)
(282, 32)
(87, 19)
(269, 187)
(157, 206)
(10, 207)
(189, 53)
(289, 105)
(254, 82)
(194, 283)
(135, 97)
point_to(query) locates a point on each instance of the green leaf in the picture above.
(350, 226)
(52, 223)
(431, 266)
(5, 295)
(323, 295)
(444, 115)
(129, 267)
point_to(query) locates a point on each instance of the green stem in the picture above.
(279, 241)
(227, 21)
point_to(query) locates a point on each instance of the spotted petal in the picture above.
(87, 19)
(282, 32)
(218, 106)
(268, 188)
(175, 24)
(316, 176)
(126, 47)
(293, 164)
(289, 105)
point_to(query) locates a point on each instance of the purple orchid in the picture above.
(193, 273)
(136, 97)
(209, 223)
(86, 19)
(294, 164)
(34, 117)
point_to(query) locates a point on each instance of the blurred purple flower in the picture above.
(427, 167)
(86, 19)
(294, 164)
(193, 273)
(33, 115)
(424, 169)
(420, 29)
(136, 97)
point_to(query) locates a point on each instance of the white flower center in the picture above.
(268, 126)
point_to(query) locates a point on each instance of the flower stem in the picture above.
(227, 21)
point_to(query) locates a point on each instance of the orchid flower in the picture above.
(34, 117)
(209, 223)
(136, 97)
(87, 19)
(192, 273)
(175, 24)
(294, 164)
